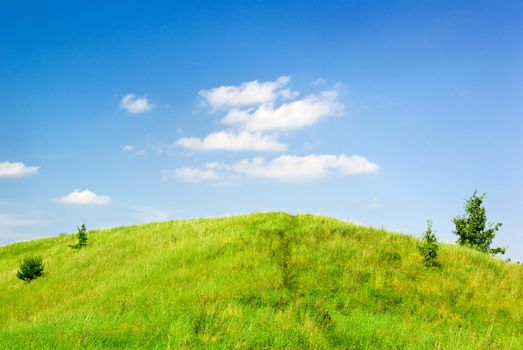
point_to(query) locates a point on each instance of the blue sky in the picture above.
(387, 113)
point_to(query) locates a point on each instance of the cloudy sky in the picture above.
(386, 113)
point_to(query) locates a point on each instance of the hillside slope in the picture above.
(257, 281)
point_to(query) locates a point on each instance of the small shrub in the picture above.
(392, 258)
(82, 238)
(429, 246)
(31, 268)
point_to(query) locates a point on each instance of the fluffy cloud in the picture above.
(287, 116)
(249, 93)
(8, 169)
(128, 148)
(286, 168)
(186, 174)
(84, 197)
(136, 105)
(233, 141)
(258, 112)
(311, 167)
(255, 108)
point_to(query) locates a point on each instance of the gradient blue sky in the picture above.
(431, 92)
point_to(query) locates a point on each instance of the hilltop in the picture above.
(257, 281)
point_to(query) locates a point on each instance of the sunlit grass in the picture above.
(257, 281)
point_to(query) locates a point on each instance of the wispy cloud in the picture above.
(287, 168)
(16, 169)
(187, 174)
(233, 141)
(318, 82)
(135, 105)
(287, 116)
(131, 148)
(249, 93)
(84, 197)
(151, 214)
(13, 220)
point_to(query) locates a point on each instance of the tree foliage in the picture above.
(31, 268)
(82, 237)
(429, 246)
(472, 228)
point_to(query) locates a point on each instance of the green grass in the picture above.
(257, 281)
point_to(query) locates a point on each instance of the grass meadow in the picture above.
(257, 281)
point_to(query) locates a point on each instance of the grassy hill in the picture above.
(257, 281)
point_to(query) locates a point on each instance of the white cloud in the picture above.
(287, 116)
(85, 197)
(255, 108)
(257, 113)
(136, 105)
(305, 168)
(128, 148)
(8, 169)
(286, 168)
(233, 141)
(249, 93)
(187, 174)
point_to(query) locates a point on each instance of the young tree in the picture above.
(82, 237)
(31, 268)
(472, 228)
(429, 246)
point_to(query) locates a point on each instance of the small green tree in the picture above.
(429, 246)
(31, 268)
(472, 228)
(82, 238)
